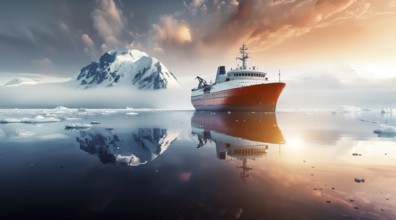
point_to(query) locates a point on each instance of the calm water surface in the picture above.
(186, 165)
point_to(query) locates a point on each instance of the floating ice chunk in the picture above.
(72, 119)
(77, 126)
(131, 113)
(10, 120)
(131, 160)
(36, 119)
(41, 119)
(61, 108)
(348, 108)
(385, 131)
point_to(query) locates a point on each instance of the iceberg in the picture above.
(385, 131)
(77, 126)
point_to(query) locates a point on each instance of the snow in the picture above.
(128, 56)
(62, 108)
(385, 130)
(130, 68)
(348, 109)
(36, 119)
(131, 160)
(20, 81)
(26, 79)
(167, 140)
(77, 126)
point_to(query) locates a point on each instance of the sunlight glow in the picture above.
(295, 142)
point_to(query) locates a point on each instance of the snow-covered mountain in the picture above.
(132, 149)
(20, 81)
(26, 79)
(130, 68)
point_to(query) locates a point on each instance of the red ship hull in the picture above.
(260, 98)
(254, 127)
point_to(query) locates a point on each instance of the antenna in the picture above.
(244, 54)
(279, 74)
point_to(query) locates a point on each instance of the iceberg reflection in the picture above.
(132, 149)
(243, 136)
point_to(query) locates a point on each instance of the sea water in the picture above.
(194, 165)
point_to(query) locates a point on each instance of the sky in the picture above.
(349, 43)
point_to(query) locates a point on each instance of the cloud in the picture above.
(88, 41)
(282, 2)
(264, 24)
(45, 62)
(43, 65)
(109, 23)
(90, 48)
(196, 6)
(158, 50)
(170, 32)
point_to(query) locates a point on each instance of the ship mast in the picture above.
(244, 57)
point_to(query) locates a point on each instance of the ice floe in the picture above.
(77, 126)
(72, 119)
(131, 113)
(385, 131)
(36, 119)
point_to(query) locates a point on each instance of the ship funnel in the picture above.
(221, 71)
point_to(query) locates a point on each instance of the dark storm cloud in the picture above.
(37, 30)
(69, 34)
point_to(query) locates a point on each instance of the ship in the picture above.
(240, 89)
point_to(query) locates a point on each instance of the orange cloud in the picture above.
(170, 31)
(264, 24)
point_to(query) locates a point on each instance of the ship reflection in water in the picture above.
(242, 136)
